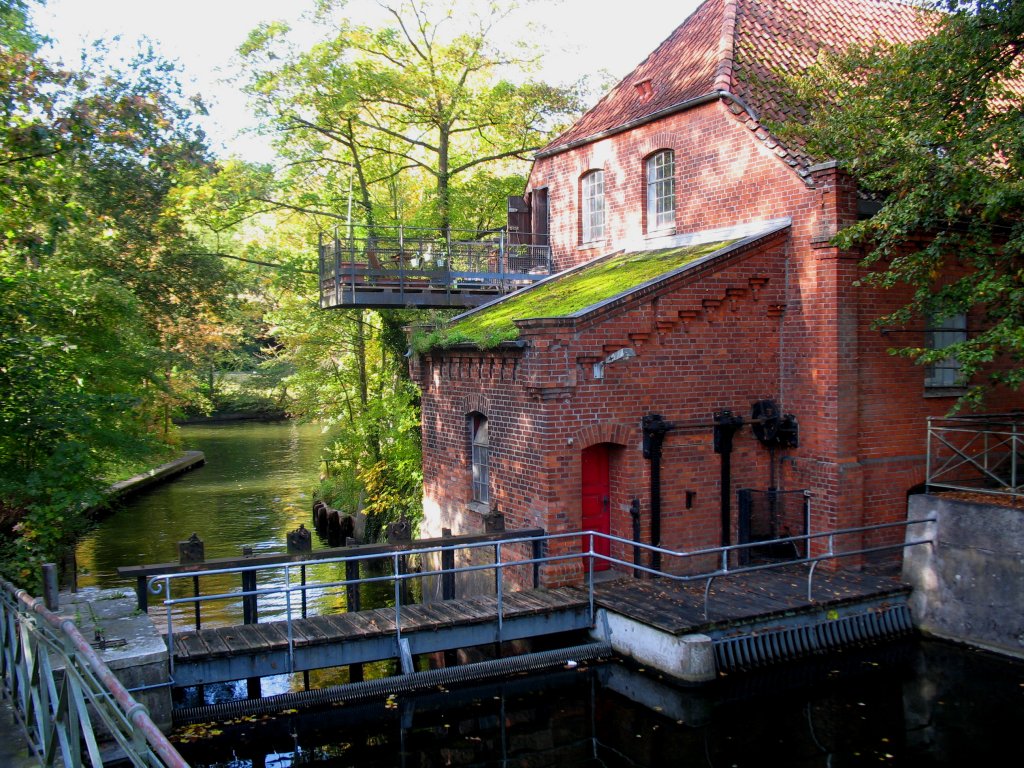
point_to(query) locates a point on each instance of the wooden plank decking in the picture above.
(255, 650)
(678, 608)
(736, 601)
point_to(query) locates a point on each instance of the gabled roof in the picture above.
(734, 48)
(592, 285)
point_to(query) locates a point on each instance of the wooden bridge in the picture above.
(751, 616)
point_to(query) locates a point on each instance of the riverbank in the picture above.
(185, 462)
(226, 417)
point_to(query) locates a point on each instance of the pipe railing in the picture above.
(163, 584)
(65, 698)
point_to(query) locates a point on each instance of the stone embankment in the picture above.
(185, 462)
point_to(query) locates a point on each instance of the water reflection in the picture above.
(255, 487)
(925, 704)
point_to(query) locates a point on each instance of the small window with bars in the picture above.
(592, 193)
(944, 333)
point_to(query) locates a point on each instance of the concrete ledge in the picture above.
(183, 463)
(690, 658)
(134, 651)
(969, 584)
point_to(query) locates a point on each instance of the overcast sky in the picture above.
(583, 37)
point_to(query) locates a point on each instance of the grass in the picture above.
(563, 296)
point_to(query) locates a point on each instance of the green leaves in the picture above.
(102, 290)
(933, 130)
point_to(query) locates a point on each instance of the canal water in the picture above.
(903, 704)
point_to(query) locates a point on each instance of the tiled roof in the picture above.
(737, 46)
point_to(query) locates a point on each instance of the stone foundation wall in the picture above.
(969, 584)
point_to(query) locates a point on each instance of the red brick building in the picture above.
(535, 405)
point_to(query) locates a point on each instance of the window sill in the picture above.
(592, 245)
(945, 391)
(654, 234)
(480, 507)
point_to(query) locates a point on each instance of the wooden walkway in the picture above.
(257, 650)
(738, 603)
(678, 608)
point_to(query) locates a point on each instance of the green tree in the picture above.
(933, 129)
(103, 297)
(409, 108)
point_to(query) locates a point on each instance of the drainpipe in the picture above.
(726, 425)
(654, 429)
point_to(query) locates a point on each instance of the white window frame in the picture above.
(661, 190)
(943, 333)
(592, 204)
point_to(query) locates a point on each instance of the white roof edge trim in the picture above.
(704, 236)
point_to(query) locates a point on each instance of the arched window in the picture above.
(661, 190)
(592, 195)
(480, 453)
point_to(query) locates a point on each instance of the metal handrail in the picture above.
(979, 453)
(411, 257)
(59, 685)
(162, 583)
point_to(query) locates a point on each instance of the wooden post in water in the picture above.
(250, 615)
(355, 671)
(192, 550)
(451, 656)
(401, 533)
(448, 568)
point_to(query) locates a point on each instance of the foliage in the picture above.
(933, 130)
(416, 117)
(564, 295)
(349, 373)
(104, 301)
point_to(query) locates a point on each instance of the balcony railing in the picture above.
(405, 266)
(978, 454)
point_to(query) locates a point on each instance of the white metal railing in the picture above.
(674, 566)
(977, 454)
(66, 699)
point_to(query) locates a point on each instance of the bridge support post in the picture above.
(355, 671)
(448, 568)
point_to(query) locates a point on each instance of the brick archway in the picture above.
(617, 434)
(476, 403)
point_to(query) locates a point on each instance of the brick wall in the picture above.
(782, 321)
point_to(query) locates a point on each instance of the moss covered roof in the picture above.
(564, 295)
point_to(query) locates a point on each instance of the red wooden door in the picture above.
(596, 491)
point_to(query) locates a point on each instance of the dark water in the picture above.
(911, 704)
(917, 704)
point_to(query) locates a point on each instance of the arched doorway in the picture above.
(596, 494)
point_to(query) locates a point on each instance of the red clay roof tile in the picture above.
(737, 46)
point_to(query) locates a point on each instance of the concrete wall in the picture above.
(969, 584)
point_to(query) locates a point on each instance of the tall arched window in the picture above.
(592, 194)
(661, 190)
(480, 454)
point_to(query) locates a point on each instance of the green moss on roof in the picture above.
(564, 295)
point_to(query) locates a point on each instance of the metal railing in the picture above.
(977, 454)
(411, 258)
(66, 699)
(586, 551)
